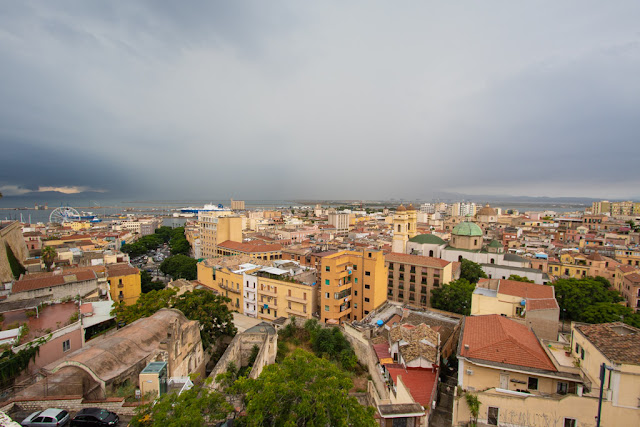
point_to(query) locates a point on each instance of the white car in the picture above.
(51, 417)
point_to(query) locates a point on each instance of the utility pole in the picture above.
(603, 370)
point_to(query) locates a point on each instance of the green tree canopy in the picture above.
(471, 271)
(146, 305)
(196, 407)
(576, 295)
(178, 242)
(148, 284)
(303, 390)
(454, 297)
(210, 310)
(520, 279)
(180, 267)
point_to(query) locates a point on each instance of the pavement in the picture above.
(243, 322)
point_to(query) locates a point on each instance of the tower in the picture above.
(405, 224)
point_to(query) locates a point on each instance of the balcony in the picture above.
(250, 297)
(296, 312)
(230, 289)
(266, 316)
(267, 292)
(271, 305)
(296, 299)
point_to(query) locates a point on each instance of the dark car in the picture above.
(94, 417)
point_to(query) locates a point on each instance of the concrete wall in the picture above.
(543, 322)
(56, 293)
(535, 411)
(71, 404)
(11, 235)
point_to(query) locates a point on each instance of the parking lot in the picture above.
(17, 414)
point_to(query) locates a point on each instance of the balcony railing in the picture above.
(296, 299)
(266, 316)
(296, 312)
(267, 292)
(230, 289)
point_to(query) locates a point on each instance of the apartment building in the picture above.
(628, 256)
(412, 278)
(518, 378)
(215, 229)
(125, 284)
(340, 220)
(352, 284)
(255, 249)
(261, 288)
(237, 205)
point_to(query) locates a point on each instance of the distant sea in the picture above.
(22, 208)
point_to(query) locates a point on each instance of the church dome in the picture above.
(410, 207)
(467, 229)
(487, 211)
(401, 208)
(428, 239)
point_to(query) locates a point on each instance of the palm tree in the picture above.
(48, 255)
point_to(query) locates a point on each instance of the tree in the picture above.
(211, 311)
(196, 407)
(148, 284)
(474, 406)
(178, 243)
(303, 390)
(48, 255)
(146, 305)
(454, 296)
(520, 279)
(471, 271)
(575, 295)
(180, 267)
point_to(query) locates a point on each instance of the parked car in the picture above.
(94, 417)
(51, 417)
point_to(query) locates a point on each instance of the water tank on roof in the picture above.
(379, 323)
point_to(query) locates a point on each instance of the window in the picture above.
(327, 295)
(366, 300)
(366, 312)
(532, 384)
(367, 286)
(326, 308)
(355, 305)
(367, 273)
(582, 353)
(390, 266)
(356, 280)
(66, 345)
(492, 416)
(562, 388)
(326, 281)
(570, 422)
(369, 254)
(327, 268)
(355, 293)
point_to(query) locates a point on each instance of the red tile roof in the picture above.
(420, 260)
(498, 339)
(419, 381)
(51, 279)
(121, 269)
(541, 304)
(250, 247)
(524, 290)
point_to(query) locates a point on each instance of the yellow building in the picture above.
(262, 288)
(124, 283)
(521, 381)
(79, 225)
(405, 226)
(628, 256)
(255, 249)
(352, 285)
(216, 229)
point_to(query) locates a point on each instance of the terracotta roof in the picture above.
(627, 268)
(420, 260)
(524, 290)
(617, 341)
(414, 336)
(250, 247)
(633, 277)
(498, 339)
(419, 381)
(121, 269)
(542, 304)
(51, 279)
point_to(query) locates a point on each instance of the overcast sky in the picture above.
(333, 99)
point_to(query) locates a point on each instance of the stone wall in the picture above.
(57, 293)
(71, 404)
(11, 235)
(366, 356)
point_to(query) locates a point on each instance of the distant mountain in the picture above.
(51, 197)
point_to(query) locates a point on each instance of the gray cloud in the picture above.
(269, 100)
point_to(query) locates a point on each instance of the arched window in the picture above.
(399, 228)
(431, 253)
(492, 261)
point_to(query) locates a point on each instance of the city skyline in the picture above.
(284, 100)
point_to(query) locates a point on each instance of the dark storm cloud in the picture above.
(262, 100)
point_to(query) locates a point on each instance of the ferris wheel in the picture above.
(63, 214)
